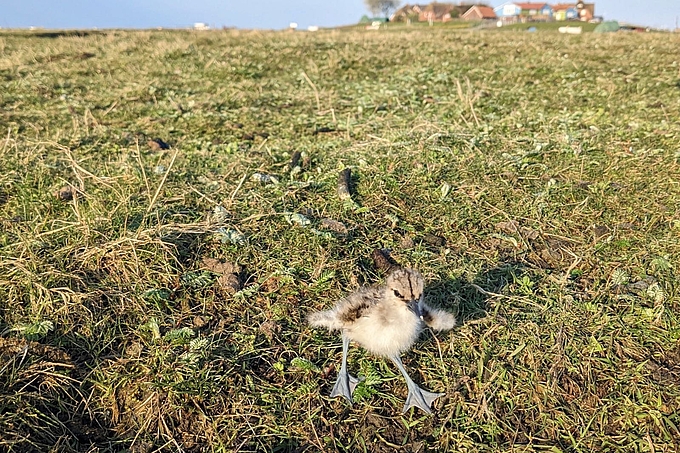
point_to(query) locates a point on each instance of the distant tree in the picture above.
(381, 6)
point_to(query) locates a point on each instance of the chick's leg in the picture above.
(417, 397)
(346, 383)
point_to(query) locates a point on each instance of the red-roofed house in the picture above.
(535, 11)
(407, 13)
(479, 12)
(438, 12)
(434, 12)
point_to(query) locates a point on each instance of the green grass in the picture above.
(450, 25)
(551, 26)
(540, 168)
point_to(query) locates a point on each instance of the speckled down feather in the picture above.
(386, 319)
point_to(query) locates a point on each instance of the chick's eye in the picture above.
(398, 294)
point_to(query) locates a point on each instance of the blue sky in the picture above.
(262, 14)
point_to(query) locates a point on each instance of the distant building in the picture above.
(201, 26)
(511, 12)
(479, 12)
(434, 12)
(438, 12)
(407, 13)
(535, 12)
(508, 12)
(574, 11)
(565, 11)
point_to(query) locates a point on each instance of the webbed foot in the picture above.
(345, 386)
(423, 399)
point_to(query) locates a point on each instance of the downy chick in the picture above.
(385, 320)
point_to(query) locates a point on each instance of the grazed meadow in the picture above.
(153, 292)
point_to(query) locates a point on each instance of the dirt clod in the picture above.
(513, 227)
(383, 261)
(66, 193)
(434, 240)
(199, 322)
(270, 329)
(229, 283)
(407, 242)
(334, 225)
(220, 267)
(157, 144)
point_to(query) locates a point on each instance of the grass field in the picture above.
(154, 288)
(551, 26)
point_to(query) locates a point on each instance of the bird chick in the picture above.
(386, 320)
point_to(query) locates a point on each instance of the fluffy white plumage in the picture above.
(385, 320)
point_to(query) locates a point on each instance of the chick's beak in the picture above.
(414, 307)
